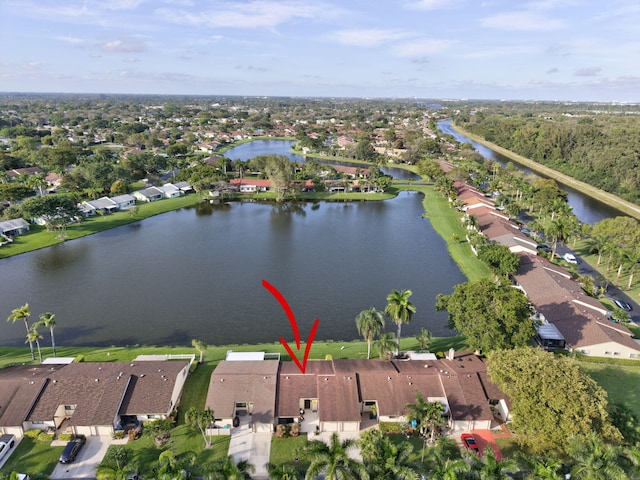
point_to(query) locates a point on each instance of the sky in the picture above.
(571, 50)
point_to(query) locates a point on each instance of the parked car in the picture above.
(569, 258)
(6, 443)
(469, 442)
(622, 305)
(545, 248)
(72, 448)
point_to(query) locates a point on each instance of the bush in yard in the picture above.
(391, 427)
(65, 437)
(281, 430)
(35, 433)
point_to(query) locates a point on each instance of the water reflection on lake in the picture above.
(197, 273)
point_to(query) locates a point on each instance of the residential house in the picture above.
(169, 190)
(185, 187)
(251, 185)
(14, 227)
(504, 232)
(15, 173)
(124, 201)
(244, 389)
(102, 204)
(349, 395)
(581, 322)
(89, 398)
(149, 194)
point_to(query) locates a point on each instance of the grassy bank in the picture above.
(39, 237)
(608, 198)
(446, 221)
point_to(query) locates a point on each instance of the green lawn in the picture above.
(620, 382)
(285, 450)
(33, 457)
(446, 221)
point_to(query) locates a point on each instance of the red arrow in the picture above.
(294, 326)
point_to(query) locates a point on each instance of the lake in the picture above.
(197, 273)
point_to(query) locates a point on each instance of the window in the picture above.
(616, 354)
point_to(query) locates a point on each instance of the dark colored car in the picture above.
(469, 442)
(623, 305)
(72, 448)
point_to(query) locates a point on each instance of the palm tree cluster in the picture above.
(370, 323)
(47, 320)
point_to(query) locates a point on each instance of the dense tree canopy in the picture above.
(552, 399)
(490, 316)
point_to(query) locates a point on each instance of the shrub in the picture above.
(391, 427)
(45, 437)
(295, 430)
(35, 433)
(281, 430)
(65, 437)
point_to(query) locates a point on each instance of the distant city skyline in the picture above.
(568, 50)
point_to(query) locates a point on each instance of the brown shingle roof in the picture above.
(20, 387)
(244, 381)
(99, 389)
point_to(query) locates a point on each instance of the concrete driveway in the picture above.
(87, 461)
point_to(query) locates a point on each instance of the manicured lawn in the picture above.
(446, 221)
(33, 457)
(284, 451)
(620, 382)
(416, 455)
(183, 441)
(38, 237)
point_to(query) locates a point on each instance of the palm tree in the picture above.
(281, 472)
(385, 344)
(597, 243)
(22, 313)
(544, 468)
(424, 338)
(593, 459)
(558, 230)
(369, 323)
(427, 414)
(444, 461)
(400, 309)
(228, 469)
(201, 419)
(34, 336)
(633, 259)
(384, 459)
(333, 460)
(488, 467)
(200, 346)
(48, 320)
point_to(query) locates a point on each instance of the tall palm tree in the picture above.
(333, 460)
(597, 243)
(385, 344)
(47, 320)
(544, 468)
(400, 309)
(632, 258)
(228, 469)
(34, 336)
(370, 323)
(427, 414)
(200, 346)
(23, 313)
(558, 230)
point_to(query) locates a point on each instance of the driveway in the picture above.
(87, 461)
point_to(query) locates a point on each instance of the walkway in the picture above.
(484, 438)
(252, 447)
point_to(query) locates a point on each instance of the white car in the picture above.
(6, 443)
(569, 258)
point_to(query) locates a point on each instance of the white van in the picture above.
(6, 443)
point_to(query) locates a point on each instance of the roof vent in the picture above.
(132, 365)
(97, 379)
(388, 377)
(142, 375)
(222, 379)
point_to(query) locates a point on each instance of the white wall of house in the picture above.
(503, 410)
(181, 378)
(38, 425)
(260, 427)
(610, 349)
(467, 425)
(339, 426)
(17, 431)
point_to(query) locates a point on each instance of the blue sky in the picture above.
(495, 49)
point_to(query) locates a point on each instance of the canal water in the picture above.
(587, 209)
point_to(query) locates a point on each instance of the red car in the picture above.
(469, 442)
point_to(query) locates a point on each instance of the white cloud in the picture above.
(70, 39)
(521, 21)
(254, 14)
(430, 4)
(421, 48)
(124, 45)
(369, 37)
(588, 71)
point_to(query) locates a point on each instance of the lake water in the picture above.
(197, 273)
